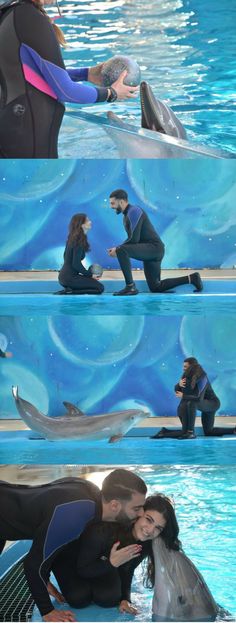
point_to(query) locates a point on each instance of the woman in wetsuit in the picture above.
(73, 276)
(102, 566)
(34, 81)
(196, 394)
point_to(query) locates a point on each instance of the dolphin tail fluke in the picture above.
(115, 438)
(72, 409)
(15, 391)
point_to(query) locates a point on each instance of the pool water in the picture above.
(36, 298)
(205, 506)
(139, 449)
(185, 51)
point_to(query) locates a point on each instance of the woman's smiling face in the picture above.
(149, 526)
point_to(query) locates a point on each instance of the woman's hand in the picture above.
(123, 90)
(182, 382)
(179, 394)
(126, 606)
(95, 74)
(59, 615)
(119, 556)
(55, 593)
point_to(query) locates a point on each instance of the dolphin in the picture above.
(133, 142)
(157, 116)
(76, 425)
(180, 592)
(161, 135)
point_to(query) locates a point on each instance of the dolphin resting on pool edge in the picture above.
(76, 425)
(161, 135)
(156, 115)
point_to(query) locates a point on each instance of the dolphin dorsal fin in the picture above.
(72, 409)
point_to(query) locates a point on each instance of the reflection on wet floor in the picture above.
(40, 474)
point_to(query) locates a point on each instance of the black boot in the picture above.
(65, 291)
(159, 435)
(127, 291)
(188, 435)
(195, 279)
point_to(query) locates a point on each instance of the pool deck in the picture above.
(52, 275)
(152, 422)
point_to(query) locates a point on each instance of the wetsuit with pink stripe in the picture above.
(35, 83)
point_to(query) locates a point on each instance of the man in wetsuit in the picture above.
(143, 243)
(54, 515)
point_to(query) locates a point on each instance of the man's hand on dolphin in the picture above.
(56, 616)
(112, 251)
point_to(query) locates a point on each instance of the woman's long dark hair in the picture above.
(169, 535)
(58, 32)
(194, 372)
(76, 233)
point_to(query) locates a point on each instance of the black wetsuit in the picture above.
(34, 82)
(85, 574)
(144, 243)
(52, 515)
(2, 354)
(200, 398)
(74, 275)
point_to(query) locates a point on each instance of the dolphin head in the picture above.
(129, 418)
(157, 116)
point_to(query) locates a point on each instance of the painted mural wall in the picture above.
(191, 206)
(104, 363)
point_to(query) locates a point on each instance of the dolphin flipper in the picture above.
(115, 438)
(116, 120)
(72, 409)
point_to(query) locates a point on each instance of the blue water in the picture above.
(185, 49)
(141, 450)
(205, 505)
(36, 298)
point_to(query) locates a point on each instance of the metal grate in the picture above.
(16, 602)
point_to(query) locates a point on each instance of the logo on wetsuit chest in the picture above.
(19, 110)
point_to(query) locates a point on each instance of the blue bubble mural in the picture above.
(191, 204)
(104, 363)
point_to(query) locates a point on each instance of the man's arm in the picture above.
(133, 224)
(37, 577)
(63, 524)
